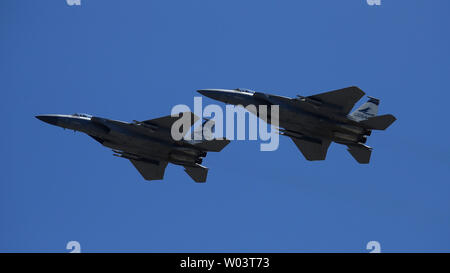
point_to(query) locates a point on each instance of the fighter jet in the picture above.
(149, 144)
(313, 122)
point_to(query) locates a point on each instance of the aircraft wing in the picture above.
(150, 170)
(167, 121)
(344, 98)
(312, 149)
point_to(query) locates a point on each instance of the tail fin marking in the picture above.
(367, 110)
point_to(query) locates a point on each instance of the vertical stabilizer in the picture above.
(367, 110)
(202, 132)
(203, 138)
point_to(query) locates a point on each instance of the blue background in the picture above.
(137, 59)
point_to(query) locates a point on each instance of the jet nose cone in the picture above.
(51, 119)
(214, 94)
(204, 92)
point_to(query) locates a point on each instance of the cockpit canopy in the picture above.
(244, 90)
(82, 115)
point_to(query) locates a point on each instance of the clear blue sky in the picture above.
(137, 59)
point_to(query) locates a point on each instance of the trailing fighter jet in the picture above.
(147, 144)
(314, 122)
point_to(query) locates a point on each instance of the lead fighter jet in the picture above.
(313, 122)
(148, 144)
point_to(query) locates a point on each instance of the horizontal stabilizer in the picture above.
(215, 145)
(360, 152)
(379, 122)
(198, 173)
